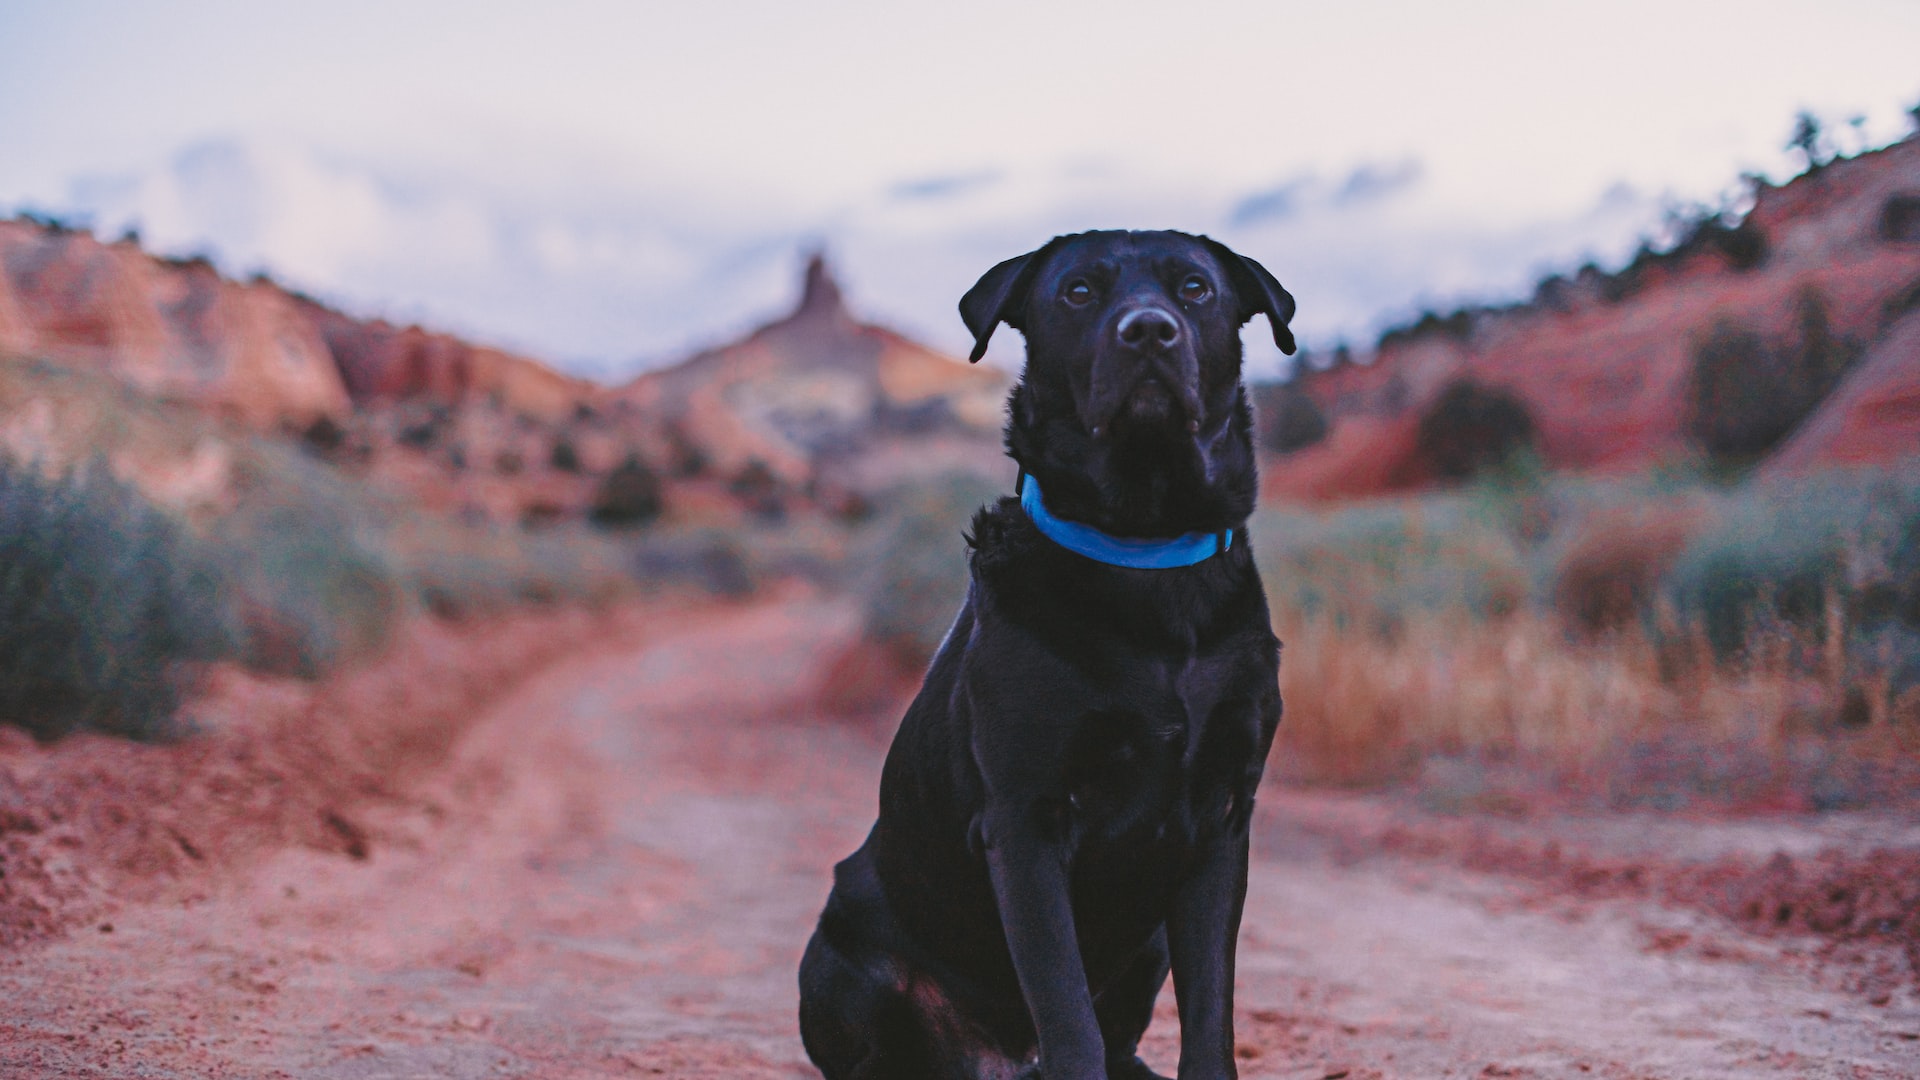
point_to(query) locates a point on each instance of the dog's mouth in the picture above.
(1150, 401)
(1151, 407)
(1143, 397)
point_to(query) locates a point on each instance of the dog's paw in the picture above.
(1131, 1069)
(1117, 1069)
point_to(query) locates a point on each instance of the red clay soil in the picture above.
(1845, 887)
(1873, 415)
(92, 821)
(613, 869)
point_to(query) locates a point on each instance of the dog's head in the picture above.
(1132, 384)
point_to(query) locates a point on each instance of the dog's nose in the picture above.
(1148, 326)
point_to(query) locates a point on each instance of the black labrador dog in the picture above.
(1064, 810)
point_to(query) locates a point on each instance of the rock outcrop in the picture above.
(1604, 364)
(380, 362)
(821, 399)
(815, 407)
(174, 328)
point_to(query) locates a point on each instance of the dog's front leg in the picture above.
(1029, 875)
(1202, 929)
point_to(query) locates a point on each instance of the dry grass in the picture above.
(1451, 642)
(1601, 721)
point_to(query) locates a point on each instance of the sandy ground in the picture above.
(616, 871)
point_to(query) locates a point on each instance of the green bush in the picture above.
(629, 496)
(720, 562)
(1749, 391)
(1370, 567)
(1780, 554)
(106, 603)
(1471, 427)
(1287, 419)
(919, 563)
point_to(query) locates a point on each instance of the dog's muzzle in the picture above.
(1145, 373)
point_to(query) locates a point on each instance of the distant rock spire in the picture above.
(821, 294)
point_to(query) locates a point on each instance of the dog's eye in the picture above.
(1194, 288)
(1078, 293)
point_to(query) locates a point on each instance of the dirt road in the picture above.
(616, 874)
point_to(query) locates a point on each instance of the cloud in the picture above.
(604, 273)
(1308, 191)
(1273, 204)
(1377, 181)
(940, 187)
(590, 281)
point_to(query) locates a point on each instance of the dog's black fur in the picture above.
(1064, 811)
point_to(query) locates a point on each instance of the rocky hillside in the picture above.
(251, 350)
(815, 409)
(174, 328)
(821, 401)
(1721, 346)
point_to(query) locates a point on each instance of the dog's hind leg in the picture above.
(1124, 1008)
(856, 1020)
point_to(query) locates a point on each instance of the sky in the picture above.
(608, 186)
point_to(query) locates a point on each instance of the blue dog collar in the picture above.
(1116, 550)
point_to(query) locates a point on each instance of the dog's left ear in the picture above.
(998, 297)
(1259, 292)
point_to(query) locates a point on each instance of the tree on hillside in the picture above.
(1286, 418)
(1471, 427)
(1749, 392)
(1809, 139)
(629, 496)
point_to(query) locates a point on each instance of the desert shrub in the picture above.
(1657, 642)
(313, 585)
(712, 560)
(629, 496)
(1456, 326)
(1703, 229)
(420, 434)
(106, 603)
(564, 457)
(462, 573)
(759, 490)
(1806, 558)
(1608, 578)
(1694, 231)
(1288, 419)
(686, 458)
(1748, 392)
(1744, 245)
(1370, 569)
(1471, 427)
(1905, 300)
(919, 563)
(324, 437)
(1632, 279)
(1900, 217)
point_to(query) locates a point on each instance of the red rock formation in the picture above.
(249, 350)
(814, 405)
(1604, 364)
(173, 328)
(380, 362)
(818, 397)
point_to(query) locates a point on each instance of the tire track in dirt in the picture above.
(616, 872)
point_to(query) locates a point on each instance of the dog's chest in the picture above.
(1148, 766)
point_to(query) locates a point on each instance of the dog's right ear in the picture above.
(998, 297)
